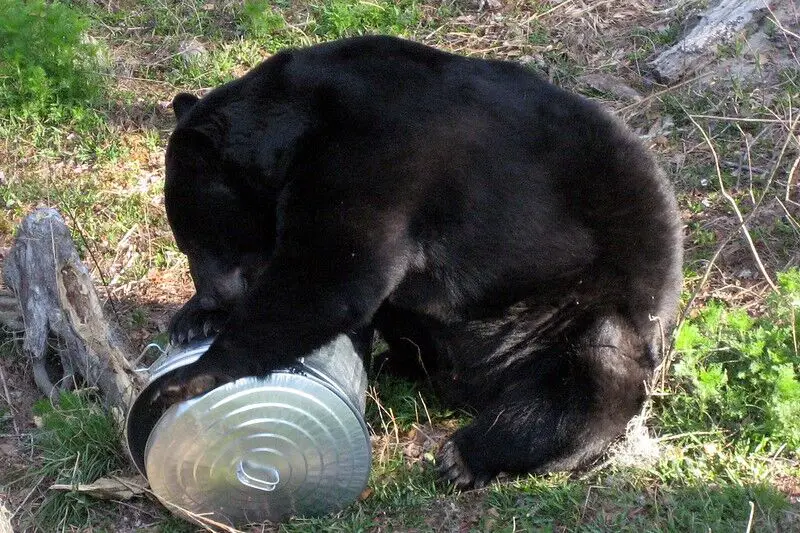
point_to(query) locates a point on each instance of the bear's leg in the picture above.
(558, 412)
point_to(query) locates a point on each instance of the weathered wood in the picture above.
(720, 23)
(5, 520)
(10, 314)
(60, 309)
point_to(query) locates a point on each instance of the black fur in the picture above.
(515, 233)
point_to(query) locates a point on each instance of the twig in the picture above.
(27, 497)
(790, 178)
(134, 78)
(740, 119)
(677, 436)
(8, 400)
(203, 521)
(538, 16)
(735, 208)
(664, 91)
(750, 520)
(424, 406)
(661, 373)
(749, 162)
(792, 222)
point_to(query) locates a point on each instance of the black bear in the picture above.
(515, 234)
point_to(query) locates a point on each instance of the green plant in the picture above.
(78, 442)
(260, 19)
(397, 402)
(345, 18)
(51, 83)
(740, 374)
(46, 62)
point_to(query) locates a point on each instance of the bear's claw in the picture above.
(452, 467)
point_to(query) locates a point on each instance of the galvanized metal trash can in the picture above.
(261, 448)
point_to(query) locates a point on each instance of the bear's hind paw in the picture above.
(453, 468)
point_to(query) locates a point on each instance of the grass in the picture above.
(77, 442)
(83, 127)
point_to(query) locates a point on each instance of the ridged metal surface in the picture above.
(291, 443)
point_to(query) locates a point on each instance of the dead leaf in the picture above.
(108, 488)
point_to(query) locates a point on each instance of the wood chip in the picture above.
(117, 488)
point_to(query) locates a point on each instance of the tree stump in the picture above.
(59, 308)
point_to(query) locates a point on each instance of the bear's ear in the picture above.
(182, 103)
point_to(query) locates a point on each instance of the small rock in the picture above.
(613, 85)
(490, 5)
(8, 449)
(412, 450)
(191, 49)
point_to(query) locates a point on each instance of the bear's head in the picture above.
(226, 165)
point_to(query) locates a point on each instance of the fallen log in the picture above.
(59, 308)
(719, 24)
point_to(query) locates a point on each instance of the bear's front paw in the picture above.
(454, 467)
(194, 320)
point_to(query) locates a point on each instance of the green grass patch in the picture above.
(410, 498)
(397, 402)
(165, 18)
(262, 19)
(78, 442)
(217, 66)
(648, 41)
(267, 28)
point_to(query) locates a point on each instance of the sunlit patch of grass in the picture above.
(344, 18)
(52, 84)
(218, 66)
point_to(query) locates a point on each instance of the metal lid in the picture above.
(260, 449)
